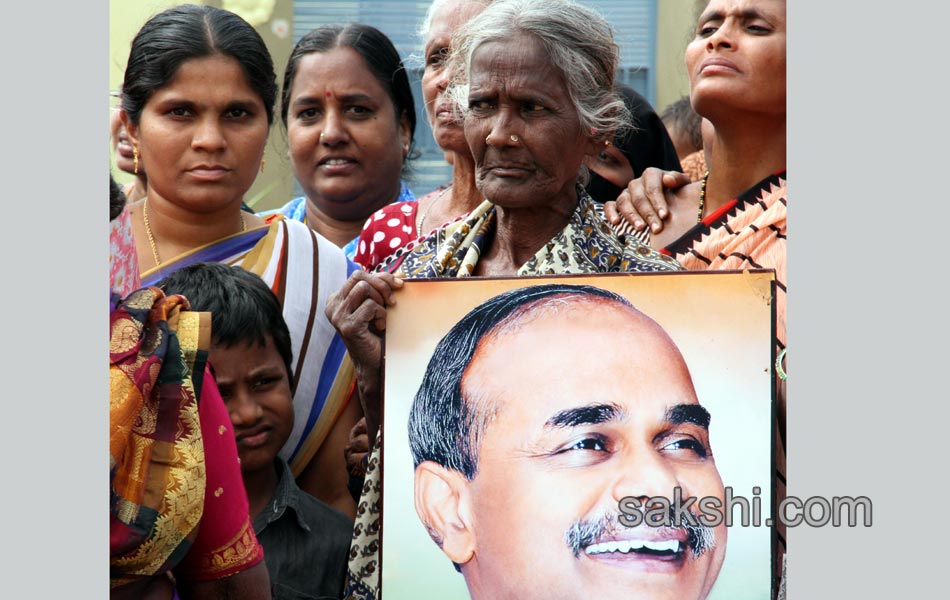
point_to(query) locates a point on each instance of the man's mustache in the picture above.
(585, 532)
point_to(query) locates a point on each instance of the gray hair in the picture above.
(423, 31)
(425, 27)
(578, 40)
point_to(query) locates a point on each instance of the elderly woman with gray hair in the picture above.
(534, 84)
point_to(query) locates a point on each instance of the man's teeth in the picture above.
(336, 161)
(627, 546)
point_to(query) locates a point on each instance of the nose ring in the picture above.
(514, 138)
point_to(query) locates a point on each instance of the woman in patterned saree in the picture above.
(198, 100)
(177, 502)
(535, 84)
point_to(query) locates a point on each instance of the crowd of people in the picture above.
(246, 349)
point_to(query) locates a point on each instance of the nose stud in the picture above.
(322, 133)
(513, 137)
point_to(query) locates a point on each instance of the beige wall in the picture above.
(675, 22)
(275, 186)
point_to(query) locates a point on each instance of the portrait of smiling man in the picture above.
(539, 412)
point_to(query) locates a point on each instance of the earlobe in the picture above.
(130, 127)
(596, 142)
(442, 503)
(405, 137)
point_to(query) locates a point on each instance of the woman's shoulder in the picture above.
(294, 243)
(638, 257)
(613, 251)
(385, 231)
(402, 210)
(393, 220)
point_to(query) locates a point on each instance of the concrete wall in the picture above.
(675, 22)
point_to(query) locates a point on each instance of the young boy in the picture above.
(305, 542)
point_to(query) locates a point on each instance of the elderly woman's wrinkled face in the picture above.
(435, 79)
(522, 127)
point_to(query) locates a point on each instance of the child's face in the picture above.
(253, 382)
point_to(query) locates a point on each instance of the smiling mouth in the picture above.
(666, 549)
(337, 165)
(642, 548)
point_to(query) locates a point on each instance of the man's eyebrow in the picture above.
(591, 414)
(688, 413)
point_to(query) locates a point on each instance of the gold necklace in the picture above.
(702, 198)
(151, 238)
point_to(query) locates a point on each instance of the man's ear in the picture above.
(442, 503)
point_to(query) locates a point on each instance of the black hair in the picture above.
(243, 309)
(380, 57)
(682, 115)
(194, 31)
(116, 198)
(443, 426)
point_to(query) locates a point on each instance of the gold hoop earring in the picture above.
(263, 162)
(135, 160)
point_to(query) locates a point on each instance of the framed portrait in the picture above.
(533, 427)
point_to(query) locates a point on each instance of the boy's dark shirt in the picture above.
(306, 543)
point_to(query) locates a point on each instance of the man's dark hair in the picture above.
(443, 426)
(243, 309)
